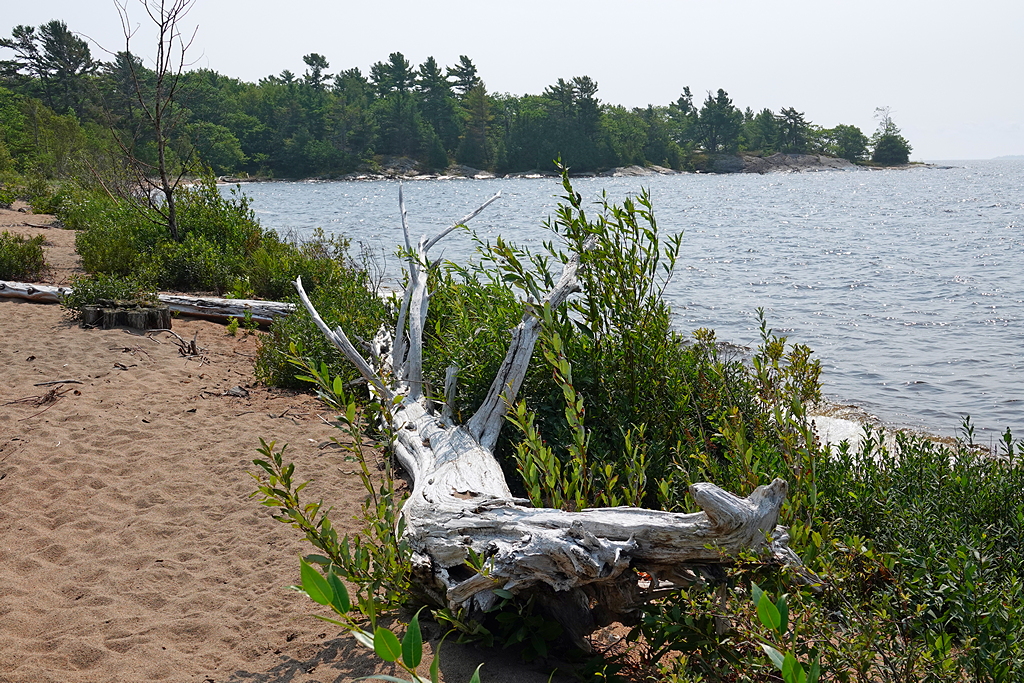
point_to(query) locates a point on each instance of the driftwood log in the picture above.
(583, 567)
(210, 308)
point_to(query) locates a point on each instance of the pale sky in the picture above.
(950, 71)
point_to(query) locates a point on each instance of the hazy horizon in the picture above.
(946, 71)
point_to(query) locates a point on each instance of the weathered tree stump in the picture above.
(137, 316)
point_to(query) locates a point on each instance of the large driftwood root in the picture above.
(587, 568)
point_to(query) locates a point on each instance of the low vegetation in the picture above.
(21, 258)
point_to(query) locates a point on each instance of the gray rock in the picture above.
(792, 162)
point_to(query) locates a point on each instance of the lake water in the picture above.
(909, 285)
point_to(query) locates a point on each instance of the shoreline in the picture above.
(837, 420)
(404, 168)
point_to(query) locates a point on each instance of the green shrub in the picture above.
(222, 248)
(696, 407)
(89, 289)
(8, 196)
(21, 258)
(79, 207)
(467, 326)
(921, 495)
(345, 299)
(194, 265)
(119, 239)
(275, 264)
(227, 222)
(40, 193)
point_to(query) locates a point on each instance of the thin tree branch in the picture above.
(340, 340)
(461, 223)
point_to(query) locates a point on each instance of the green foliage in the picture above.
(406, 653)
(890, 147)
(195, 264)
(718, 124)
(115, 238)
(774, 616)
(633, 414)
(467, 326)
(845, 142)
(891, 150)
(342, 293)
(219, 236)
(578, 483)
(69, 106)
(8, 195)
(920, 494)
(793, 131)
(21, 258)
(510, 622)
(90, 289)
(222, 248)
(379, 563)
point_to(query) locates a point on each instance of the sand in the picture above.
(129, 547)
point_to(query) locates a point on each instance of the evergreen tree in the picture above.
(793, 131)
(315, 77)
(890, 147)
(719, 123)
(475, 148)
(396, 111)
(51, 62)
(763, 132)
(465, 75)
(682, 119)
(624, 137)
(438, 105)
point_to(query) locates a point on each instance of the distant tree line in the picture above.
(324, 123)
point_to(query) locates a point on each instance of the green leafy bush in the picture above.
(21, 258)
(345, 299)
(222, 248)
(89, 289)
(7, 196)
(193, 265)
(115, 237)
(341, 290)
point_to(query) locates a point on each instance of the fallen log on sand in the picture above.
(210, 308)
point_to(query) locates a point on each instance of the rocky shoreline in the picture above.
(405, 168)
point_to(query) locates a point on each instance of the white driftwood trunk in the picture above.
(212, 308)
(584, 566)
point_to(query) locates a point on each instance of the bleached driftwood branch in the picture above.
(582, 566)
(213, 308)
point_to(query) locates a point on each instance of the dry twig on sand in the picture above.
(131, 350)
(49, 399)
(187, 349)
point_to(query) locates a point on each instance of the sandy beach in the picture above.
(129, 547)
